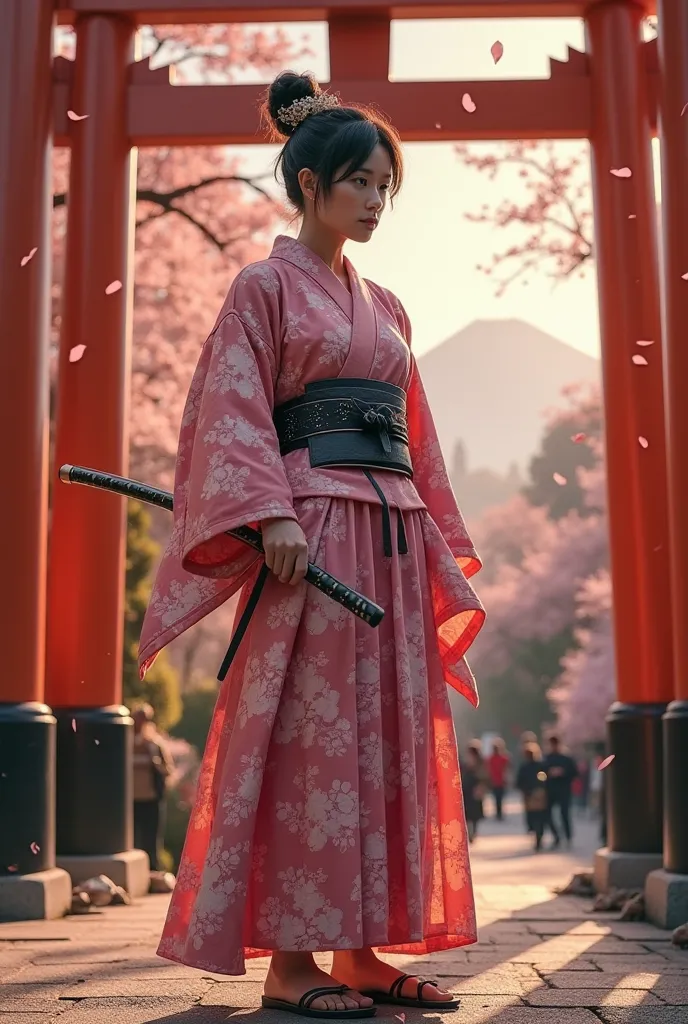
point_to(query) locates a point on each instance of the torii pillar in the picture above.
(30, 884)
(88, 536)
(627, 266)
(666, 891)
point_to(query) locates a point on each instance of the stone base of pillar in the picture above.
(129, 869)
(666, 899)
(43, 896)
(623, 870)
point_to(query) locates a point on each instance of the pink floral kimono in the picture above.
(329, 813)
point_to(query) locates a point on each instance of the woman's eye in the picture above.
(362, 181)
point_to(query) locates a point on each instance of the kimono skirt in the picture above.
(329, 813)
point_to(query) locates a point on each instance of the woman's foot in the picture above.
(361, 969)
(292, 974)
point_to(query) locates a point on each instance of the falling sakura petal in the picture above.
(25, 259)
(643, 442)
(113, 287)
(632, 216)
(76, 117)
(76, 353)
(640, 360)
(578, 438)
(467, 103)
(607, 761)
(497, 51)
(621, 172)
(559, 479)
(438, 125)
(684, 277)
(74, 725)
(644, 342)
(685, 107)
(35, 848)
(401, 1017)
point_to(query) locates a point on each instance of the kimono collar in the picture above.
(357, 306)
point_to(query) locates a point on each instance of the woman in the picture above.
(532, 781)
(474, 779)
(328, 814)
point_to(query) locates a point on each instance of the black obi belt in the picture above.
(351, 421)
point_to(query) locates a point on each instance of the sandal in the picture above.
(394, 995)
(303, 1007)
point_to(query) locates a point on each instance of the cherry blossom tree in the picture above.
(548, 212)
(546, 650)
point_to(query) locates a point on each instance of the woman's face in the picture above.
(355, 205)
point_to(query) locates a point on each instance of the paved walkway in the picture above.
(541, 959)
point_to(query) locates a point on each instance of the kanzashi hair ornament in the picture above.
(297, 111)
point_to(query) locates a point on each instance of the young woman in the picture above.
(329, 811)
(532, 781)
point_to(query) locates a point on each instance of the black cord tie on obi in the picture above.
(402, 543)
(377, 418)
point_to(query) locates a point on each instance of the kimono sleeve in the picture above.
(429, 469)
(234, 472)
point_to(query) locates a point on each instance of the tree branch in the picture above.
(165, 201)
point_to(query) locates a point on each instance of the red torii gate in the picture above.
(616, 95)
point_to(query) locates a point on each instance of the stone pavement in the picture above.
(540, 959)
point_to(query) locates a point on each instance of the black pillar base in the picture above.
(94, 781)
(675, 724)
(27, 788)
(634, 782)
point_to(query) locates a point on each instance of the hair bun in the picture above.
(287, 87)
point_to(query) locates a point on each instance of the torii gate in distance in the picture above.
(61, 628)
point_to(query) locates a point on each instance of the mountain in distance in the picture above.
(490, 384)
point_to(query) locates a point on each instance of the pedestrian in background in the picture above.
(474, 780)
(561, 771)
(532, 782)
(152, 768)
(498, 769)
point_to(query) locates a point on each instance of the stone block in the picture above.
(607, 981)
(143, 1010)
(666, 898)
(623, 870)
(126, 983)
(130, 869)
(41, 896)
(642, 1015)
(591, 997)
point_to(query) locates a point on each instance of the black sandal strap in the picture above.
(397, 985)
(422, 982)
(324, 990)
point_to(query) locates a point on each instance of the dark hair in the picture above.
(340, 137)
(554, 740)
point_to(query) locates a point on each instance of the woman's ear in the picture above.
(307, 182)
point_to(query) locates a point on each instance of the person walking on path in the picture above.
(532, 782)
(498, 769)
(152, 769)
(561, 771)
(475, 780)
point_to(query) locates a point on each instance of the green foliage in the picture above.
(160, 688)
(197, 713)
(560, 454)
